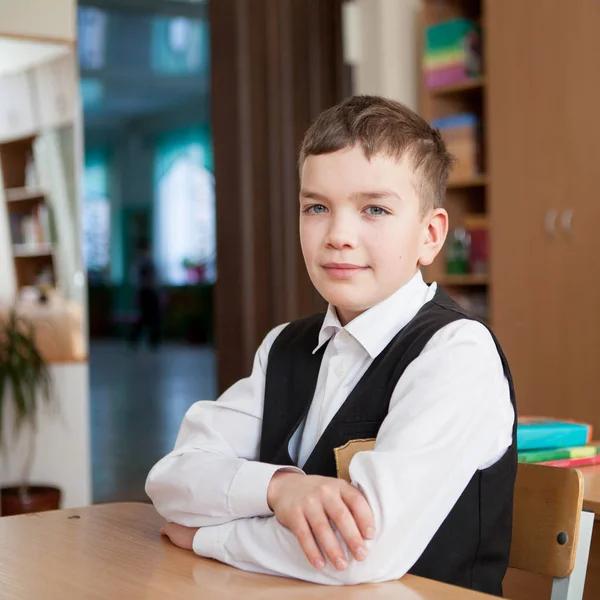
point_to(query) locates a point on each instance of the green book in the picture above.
(545, 455)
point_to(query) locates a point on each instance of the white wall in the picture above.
(385, 44)
(62, 458)
(41, 19)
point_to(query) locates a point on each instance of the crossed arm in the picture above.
(223, 504)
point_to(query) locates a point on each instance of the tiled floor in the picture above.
(138, 399)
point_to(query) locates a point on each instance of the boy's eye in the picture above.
(376, 211)
(315, 209)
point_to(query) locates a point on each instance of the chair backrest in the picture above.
(547, 511)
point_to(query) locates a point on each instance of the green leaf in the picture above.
(24, 375)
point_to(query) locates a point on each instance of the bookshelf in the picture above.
(28, 215)
(467, 192)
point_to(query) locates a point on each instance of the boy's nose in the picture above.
(342, 234)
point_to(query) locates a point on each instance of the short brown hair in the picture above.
(385, 126)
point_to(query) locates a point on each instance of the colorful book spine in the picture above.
(452, 52)
(574, 462)
(536, 433)
(559, 454)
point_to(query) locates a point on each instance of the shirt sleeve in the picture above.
(212, 476)
(450, 415)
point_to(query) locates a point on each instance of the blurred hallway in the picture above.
(138, 399)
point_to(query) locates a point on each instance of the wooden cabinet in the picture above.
(542, 147)
(537, 101)
(17, 119)
(581, 205)
(56, 92)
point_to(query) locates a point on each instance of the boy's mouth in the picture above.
(343, 270)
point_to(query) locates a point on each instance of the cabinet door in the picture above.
(581, 219)
(16, 107)
(527, 132)
(56, 91)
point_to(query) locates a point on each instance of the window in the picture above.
(91, 26)
(184, 218)
(92, 93)
(96, 212)
(179, 45)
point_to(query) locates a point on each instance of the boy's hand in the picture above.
(308, 504)
(178, 534)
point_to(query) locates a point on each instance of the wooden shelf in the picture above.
(476, 181)
(22, 194)
(468, 85)
(468, 279)
(31, 250)
(26, 139)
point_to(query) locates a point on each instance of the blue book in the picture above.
(538, 433)
(458, 120)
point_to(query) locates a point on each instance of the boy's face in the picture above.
(362, 232)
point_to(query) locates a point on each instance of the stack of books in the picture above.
(452, 52)
(462, 135)
(557, 443)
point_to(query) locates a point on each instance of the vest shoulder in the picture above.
(447, 308)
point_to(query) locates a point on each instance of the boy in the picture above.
(252, 479)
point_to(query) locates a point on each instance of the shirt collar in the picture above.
(375, 328)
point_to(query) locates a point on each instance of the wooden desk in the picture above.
(591, 500)
(115, 551)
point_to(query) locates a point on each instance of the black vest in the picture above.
(471, 547)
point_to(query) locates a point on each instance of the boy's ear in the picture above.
(434, 235)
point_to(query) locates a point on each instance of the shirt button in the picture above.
(340, 370)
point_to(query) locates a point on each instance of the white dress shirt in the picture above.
(450, 415)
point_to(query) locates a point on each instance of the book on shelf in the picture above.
(31, 228)
(452, 52)
(463, 138)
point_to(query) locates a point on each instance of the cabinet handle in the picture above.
(550, 222)
(566, 220)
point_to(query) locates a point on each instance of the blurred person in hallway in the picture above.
(147, 298)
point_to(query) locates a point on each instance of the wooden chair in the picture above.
(551, 532)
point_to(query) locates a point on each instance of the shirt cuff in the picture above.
(248, 492)
(209, 542)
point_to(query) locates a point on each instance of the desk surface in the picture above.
(591, 497)
(115, 551)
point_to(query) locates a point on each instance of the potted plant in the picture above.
(26, 384)
(195, 269)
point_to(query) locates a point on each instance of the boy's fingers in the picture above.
(166, 529)
(321, 529)
(308, 544)
(343, 519)
(361, 511)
